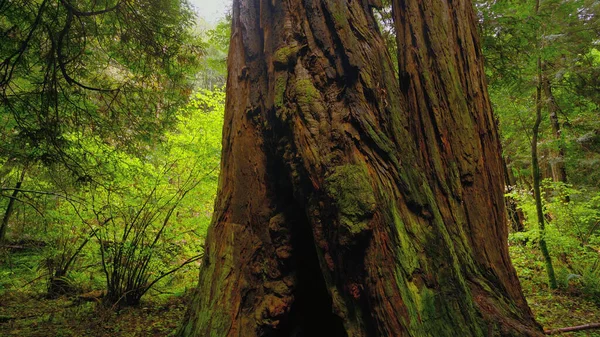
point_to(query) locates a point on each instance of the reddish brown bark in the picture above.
(441, 72)
(350, 205)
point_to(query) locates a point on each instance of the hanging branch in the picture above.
(61, 57)
(42, 192)
(77, 12)
(26, 202)
(7, 66)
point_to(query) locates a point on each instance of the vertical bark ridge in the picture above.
(399, 187)
(442, 68)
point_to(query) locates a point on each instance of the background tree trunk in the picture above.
(557, 162)
(535, 164)
(536, 177)
(10, 207)
(350, 205)
(516, 218)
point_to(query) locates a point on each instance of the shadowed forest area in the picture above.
(114, 119)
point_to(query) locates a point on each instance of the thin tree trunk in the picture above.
(538, 199)
(516, 218)
(535, 168)
(557, 162)
(349, 205)
(10, 207)
(545, 162)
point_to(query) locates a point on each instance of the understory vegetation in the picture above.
(109, 159)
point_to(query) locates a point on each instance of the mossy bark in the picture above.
(350, 204)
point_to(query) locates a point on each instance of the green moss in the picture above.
(409, 293)
(338, 304)
(350, 188)
(306, 93)
(430, 282)
(338, 13)
(455, 179)
(210, 316)
(286, 55)
(381, 140)
(280, 87)
(340, 18)
(367, 79)
(406, 252)
(411, 179)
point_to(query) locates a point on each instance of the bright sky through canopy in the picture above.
(211, 10)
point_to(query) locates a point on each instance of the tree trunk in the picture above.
(516, 218)
(350, 205)
(557, 162)
(536, 176)
(10, 207)
(535, 165)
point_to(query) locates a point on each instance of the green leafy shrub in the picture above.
(572, 232)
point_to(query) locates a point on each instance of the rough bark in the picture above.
(350, 205)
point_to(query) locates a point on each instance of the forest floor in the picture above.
(568, 306)
(25, 311)
(31, 314)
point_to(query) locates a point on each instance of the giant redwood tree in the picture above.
(355, 201)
